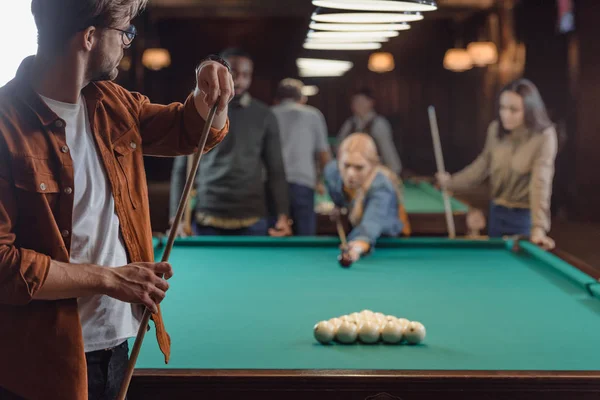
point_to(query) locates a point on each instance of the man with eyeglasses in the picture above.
(76, 257)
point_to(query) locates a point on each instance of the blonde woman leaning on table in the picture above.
(518, 157)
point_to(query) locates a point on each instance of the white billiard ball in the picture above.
(414, 333)
(367, 313)
(403, 321)
(369, 333)
(324, 332)
(347, 333)
(392, 333)
(336, 322)
(356, 317)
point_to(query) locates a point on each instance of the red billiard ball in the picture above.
(345, 260)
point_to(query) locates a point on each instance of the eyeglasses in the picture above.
(127, 35)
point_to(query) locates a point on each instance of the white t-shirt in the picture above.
(96, 237)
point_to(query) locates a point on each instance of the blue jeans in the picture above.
(258, 229)
(508, 221)
(302, 210)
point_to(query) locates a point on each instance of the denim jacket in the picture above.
(380, 216)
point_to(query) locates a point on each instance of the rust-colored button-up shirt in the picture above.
(41, 345)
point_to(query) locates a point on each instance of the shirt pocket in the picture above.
(34, 180)
(126, 149)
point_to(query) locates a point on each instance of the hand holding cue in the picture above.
(172, 235)
(439, 159)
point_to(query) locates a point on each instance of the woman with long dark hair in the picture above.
(518, 157)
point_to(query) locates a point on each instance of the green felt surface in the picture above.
(419, 198)
(251, 304)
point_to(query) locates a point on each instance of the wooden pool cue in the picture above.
(169, 246)
(439, 159)
(187, 217)
(341, 232)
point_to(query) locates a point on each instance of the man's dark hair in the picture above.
(365, 91)
(58, 20)
(235, 52)
(289, 89)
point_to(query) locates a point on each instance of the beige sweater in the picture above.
(521, 169)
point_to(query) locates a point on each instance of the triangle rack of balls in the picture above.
(369, 327)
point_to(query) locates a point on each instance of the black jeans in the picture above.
(106, 370)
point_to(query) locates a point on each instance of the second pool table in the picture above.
(424, 206)
(502, 322)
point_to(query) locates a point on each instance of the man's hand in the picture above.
(282, 227)
(216, 84)
(139, 283)
(539, 237)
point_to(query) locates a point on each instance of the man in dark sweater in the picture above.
(230, 195)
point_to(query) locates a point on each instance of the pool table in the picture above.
(424, 206)
(504, 319)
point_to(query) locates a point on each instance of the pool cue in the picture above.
(439, 159)
(341, 232)
(169, 246)
(187, 218)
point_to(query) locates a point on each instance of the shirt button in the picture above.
(64, 149)
(65, 233)
(68, 190)
(133, 145)
(43, 186)
(59, 124)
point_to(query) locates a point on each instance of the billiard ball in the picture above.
(336, 322)
(392, 333)
(347, 333)
(367, 313)
(403, 321)
(324, 332)
(356, 316)
(369, 332)
(345, 260)
(414, 333)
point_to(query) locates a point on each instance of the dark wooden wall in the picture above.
(564, 66)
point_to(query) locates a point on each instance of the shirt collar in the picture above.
(369, 117)
(29, 96)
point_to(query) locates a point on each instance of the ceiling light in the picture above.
(377, 5)
(483, 53)
(354, 35)
(323, 63)
(310, 90)
(348, 40)
(358, 27)
(366, 18)
(342, 46)
(458, 60)
(381, 62)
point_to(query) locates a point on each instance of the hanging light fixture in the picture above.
(381, 62)
(351, 35)
(377, 39)
(156, 58)
(366, 18)
(318, 26)
(310, 90)
(458, 60)
(341, 46)
(483, 53)
(378, 5)
(316, 67)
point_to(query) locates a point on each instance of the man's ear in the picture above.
(89, 37)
